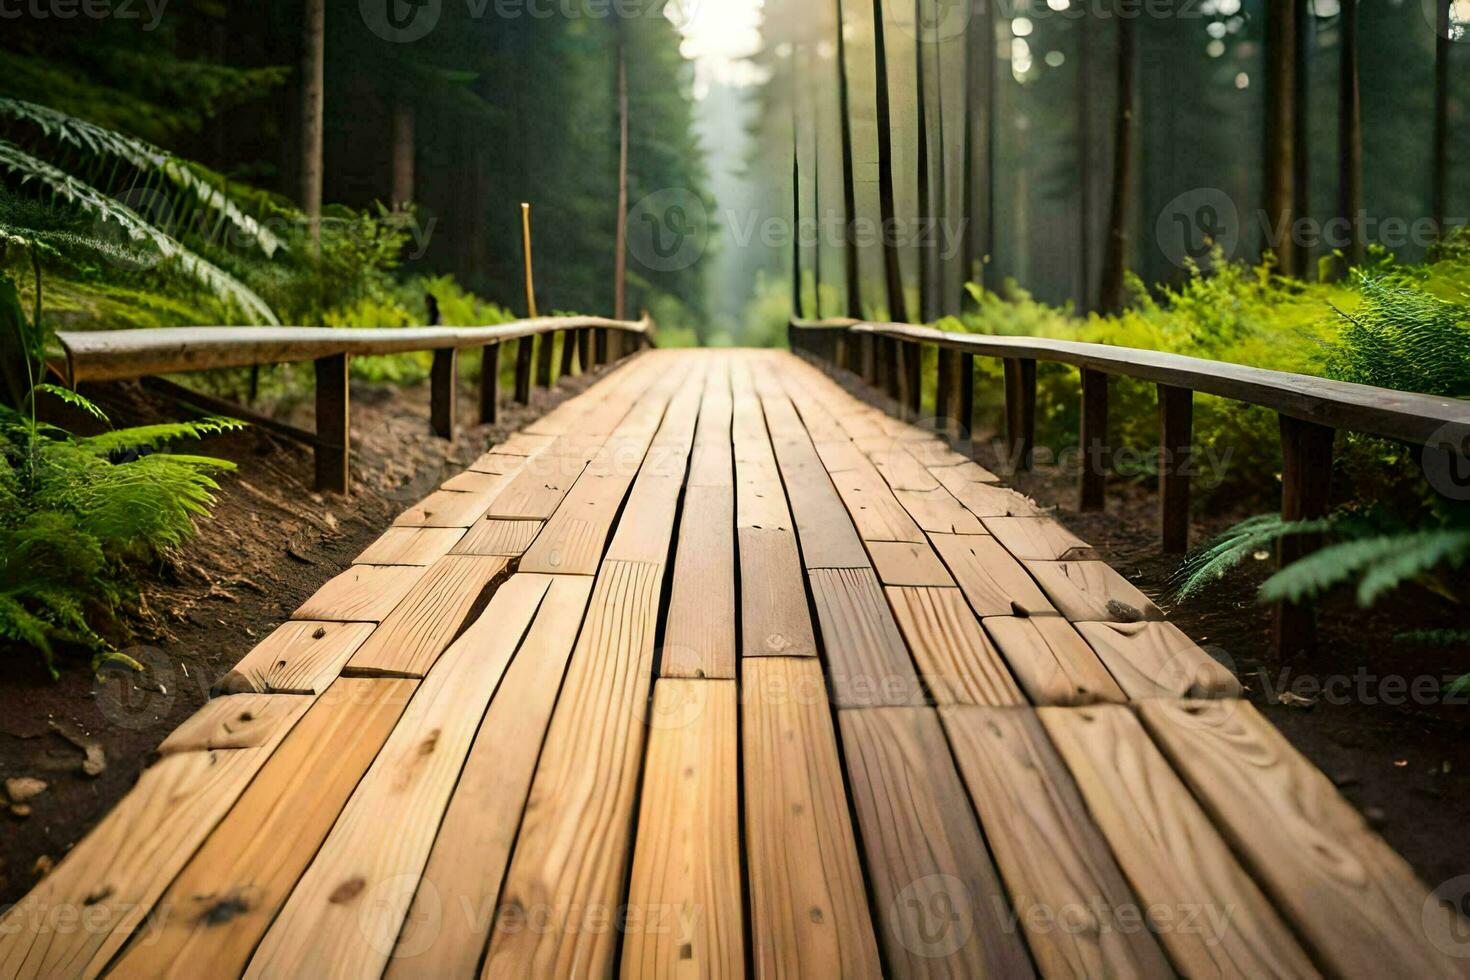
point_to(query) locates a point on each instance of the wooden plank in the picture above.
(699, 636)
(344, 915)
(298, 658)
(1356, 903)
(938, 512)
(808, 908)
(81, 914)
(941, 907)
(1039, 539)
(1208, 913)
(411, 546)
(828, 538)
(1093, 592)
(775, 618)
(1054, 664)
(901, 471)
(571, 857)
(1156, 660)
(491, 537)
(223, 901)
(362, 594)
(448, 508)
(967, 472)
(525, 444)
(685, 907)
(986, 500)
(473, 481)
(448, 925)
(411, 638)
(867, 661)
(236, 721)
(994, 582)
(840, 456)
(937, 454)
(956, 659)
(498, 464)
(538, 490)
(904, 564)
(874, 509)
(1078, 913)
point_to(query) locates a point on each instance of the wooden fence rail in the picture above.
(1312, 410)
(125, 355)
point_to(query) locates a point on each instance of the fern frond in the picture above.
(153, 436)
(1384, 563)
(73, 399)
(1212, 562)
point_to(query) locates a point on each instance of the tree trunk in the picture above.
(1084, 165)
(797, 306)
(403, 151)
(620, 261)
(1350, 137)
(1439, 200)
(849, 185)
(992, 103)
(1280, 130)
(313, 86)
(1301, 180)
(892, 270)
(1115, 259)
(926, 200)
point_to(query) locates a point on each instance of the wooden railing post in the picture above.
(599, 336)
(967, 399)
(544, 353)
(1095, 452)
(524, 349)
(584, 349)
(568, 352)
(1306, 493)
(945, 410)
(869, 365)
(443, 396)
(1020, 411)
(490, 384)
(914, 363)
(1176, 451)
(333, 439)
(841, 353)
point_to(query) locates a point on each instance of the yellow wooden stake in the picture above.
(530, 278)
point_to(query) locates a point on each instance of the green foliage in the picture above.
(1248, 539)
(1403, 337)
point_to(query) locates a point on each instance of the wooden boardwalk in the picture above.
(715, 670)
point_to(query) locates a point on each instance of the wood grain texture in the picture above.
(1093, 592)
(840, 456)
(994, 582)
(1078, 913)
(498, 464)
(685, 903)
(223, 901)
(411, 546)
(1053, 663)
(938, 898)
(298, 658)
(809, 911)
(902, 564)
(967, 472)
(699, 638)
(113, 878)
(539, 488)
(237, 721)
(828, 537)
(775, 618)
(448, 925)
(1038, 539)
(492, 537)
(525, 444)
(448, 508)
(362, 594)
(1211, 917)
(936, 454)
(571, 857)
(1156, 660)
(1356, 903)
(873, 508)
(985, 500)
(410, 639)
(473, 481)
(344, 915)
(867, 661)
(955, 657)
(937, 512)
(901, 471)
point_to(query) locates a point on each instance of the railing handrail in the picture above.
(1410, 417)
(124, 355)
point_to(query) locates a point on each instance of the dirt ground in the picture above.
(271, 543)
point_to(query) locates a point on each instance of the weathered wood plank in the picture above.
(497, 538)
(222, 902)
(475, 481)
(986, 500)
(344, 915)
(874, 509)
(1093, 592)
(1039, 539)
(410, 639)
(775, 618)
(828, 537)
(966, 472)
(866, 657)
(362, 594)
(411, 546)
(994, 582)
(809, 912)
(940, 903)
(572, 854)
(236, 721)
(685, 908)
(1209, 914)
(955, 657)
(1156, 660)
(298, 658)
(1356, 903)
(1053, 663)
(938, 512)
(903, 564)
(448, 925)
(448, 508)
(699, 638)
(1078, 913)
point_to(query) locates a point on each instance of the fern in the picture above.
(153, 436)
(1212, 562)
(1380, 564)
(1405, 338)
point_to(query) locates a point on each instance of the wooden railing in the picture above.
(1311, 411)
(124, 355)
